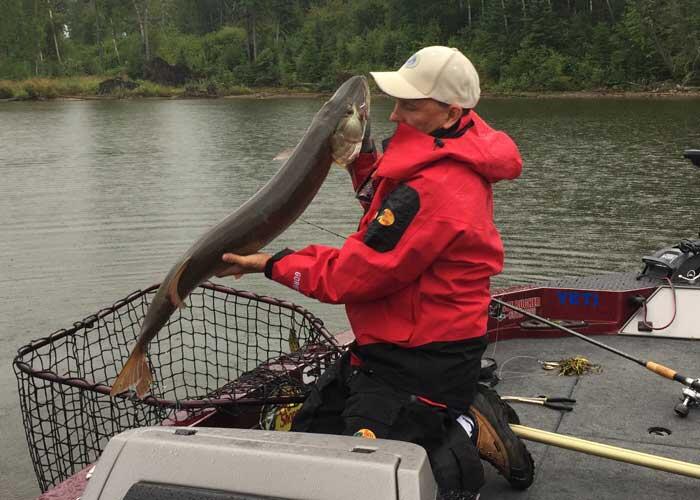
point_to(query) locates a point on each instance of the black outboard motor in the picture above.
(680, 263)
(693, 155)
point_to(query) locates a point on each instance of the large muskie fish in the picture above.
(335, 135)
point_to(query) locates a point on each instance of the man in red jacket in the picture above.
(414, 279)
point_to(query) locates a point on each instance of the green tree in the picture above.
(523, 44)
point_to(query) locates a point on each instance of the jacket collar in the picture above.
(410, 149)
(489, 153)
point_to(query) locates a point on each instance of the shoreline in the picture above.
(596, 94)
(286, 93)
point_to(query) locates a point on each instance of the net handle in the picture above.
(162, 403)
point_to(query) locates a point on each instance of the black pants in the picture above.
(347, 399)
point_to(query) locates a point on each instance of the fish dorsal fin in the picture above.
(172, 288)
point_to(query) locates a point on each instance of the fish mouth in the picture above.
(354, 97)
(355, 93)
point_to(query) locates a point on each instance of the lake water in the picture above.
(99, 198)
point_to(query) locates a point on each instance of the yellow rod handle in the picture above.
(607, 451)
(662, 370)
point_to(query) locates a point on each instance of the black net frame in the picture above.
(229, 351)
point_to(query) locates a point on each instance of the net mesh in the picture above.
(227, 354)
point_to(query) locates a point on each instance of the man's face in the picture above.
(426, 115)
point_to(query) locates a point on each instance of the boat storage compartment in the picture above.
(241, 464)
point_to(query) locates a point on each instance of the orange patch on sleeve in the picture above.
(386, 218)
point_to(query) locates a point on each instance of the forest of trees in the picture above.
(515, 44)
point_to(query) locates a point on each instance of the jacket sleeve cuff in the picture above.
(271, 261)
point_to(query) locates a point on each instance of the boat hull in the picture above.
(595, 305)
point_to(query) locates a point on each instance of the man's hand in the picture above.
(243, 264)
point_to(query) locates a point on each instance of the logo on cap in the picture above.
(412, 61)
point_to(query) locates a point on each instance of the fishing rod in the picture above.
(657, 368)
(322, 228)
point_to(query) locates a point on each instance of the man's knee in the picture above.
(372, 405)
(456, 464)
(322, 409)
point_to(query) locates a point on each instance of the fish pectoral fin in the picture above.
(135, 374)
(284, 155)
(172, 288)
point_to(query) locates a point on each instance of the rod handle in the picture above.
(662, 370)
(673, 375)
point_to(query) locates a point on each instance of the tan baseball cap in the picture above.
(440, 73)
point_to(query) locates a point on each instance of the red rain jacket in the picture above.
(418, 273)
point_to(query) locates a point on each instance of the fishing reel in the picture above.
(690, 399)
(496, 311)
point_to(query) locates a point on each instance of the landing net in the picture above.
(225, 356)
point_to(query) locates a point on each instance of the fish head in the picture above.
(354, 92)
(352, 99)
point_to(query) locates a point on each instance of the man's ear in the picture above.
(454, 113)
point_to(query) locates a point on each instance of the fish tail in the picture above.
(135, 373)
